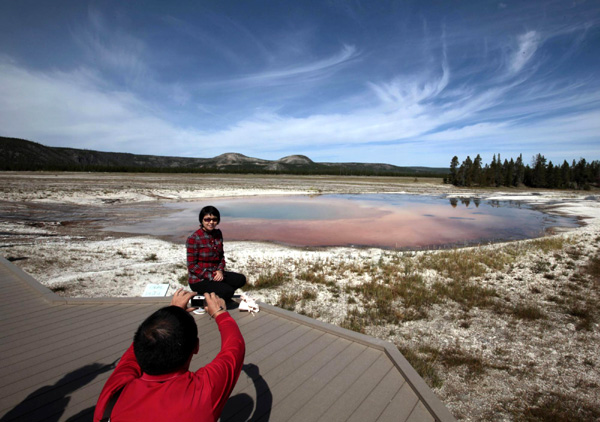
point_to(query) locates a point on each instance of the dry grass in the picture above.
(289, 300)
(555, 407)
(269, 280)
(402, 288)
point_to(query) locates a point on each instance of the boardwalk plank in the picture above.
(371, 408)
(337, 387)
(54, 367)
(56, 350)
(343, 407)
(275, 370)
(420, 414)
(294, 393)
(402, 405)
(82, 319)
(101, 322)
(33, 316)
(296, 376)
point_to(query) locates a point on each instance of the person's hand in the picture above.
(214, 304)
(218, 275)
(181, 299)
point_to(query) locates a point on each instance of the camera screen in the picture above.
(198, 301)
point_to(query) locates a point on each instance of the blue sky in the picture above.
(399, 82)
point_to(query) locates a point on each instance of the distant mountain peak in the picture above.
(235, 158)
(232, 156)
(295, 159)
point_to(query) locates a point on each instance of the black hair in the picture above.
(164, 342)
(209, 210)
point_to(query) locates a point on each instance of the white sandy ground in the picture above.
(526, 362)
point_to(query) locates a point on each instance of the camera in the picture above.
(198, 302)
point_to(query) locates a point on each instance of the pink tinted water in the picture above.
(388, 221)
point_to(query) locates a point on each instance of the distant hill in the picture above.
(20, 154)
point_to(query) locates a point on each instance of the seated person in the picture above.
(152, 381)
(206, 260)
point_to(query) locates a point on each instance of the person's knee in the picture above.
(235, 280)
(240, 280)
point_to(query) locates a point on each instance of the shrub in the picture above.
(183, 279)
(288, 301)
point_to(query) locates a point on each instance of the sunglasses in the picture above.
(209, 219)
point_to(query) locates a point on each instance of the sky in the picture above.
(409, 83)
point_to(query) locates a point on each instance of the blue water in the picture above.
(368, 220)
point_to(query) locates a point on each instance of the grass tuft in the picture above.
(584, 315)
(454, 357)
(269, 279)
(183, 279)
(556, 407)
(288, 301)
(424, 365)
(59, 289)
(593, 269)
(526, 311)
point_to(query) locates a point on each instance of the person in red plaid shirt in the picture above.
(206, 260)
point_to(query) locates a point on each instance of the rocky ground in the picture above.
(529, 352)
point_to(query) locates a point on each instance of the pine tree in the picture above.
(539, 171)
(477, 175)
(509, 172)
(468, 165)
(565, 175)
(454, 170)
(519, 171)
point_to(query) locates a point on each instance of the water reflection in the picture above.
(464, 201)
(384, 220)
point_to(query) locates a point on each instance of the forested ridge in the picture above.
(581, 175)
(23, 155)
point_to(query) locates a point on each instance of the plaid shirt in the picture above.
(204, 255)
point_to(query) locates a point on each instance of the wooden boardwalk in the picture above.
(56, 354)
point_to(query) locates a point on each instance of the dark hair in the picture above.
(209, 210)
(164, 342)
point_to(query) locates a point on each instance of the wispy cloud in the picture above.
(112, 49)
(299, 72)
(527, 45)
(74, 109)
(208, 42)
(408, 91)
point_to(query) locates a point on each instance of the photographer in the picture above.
(152, 381)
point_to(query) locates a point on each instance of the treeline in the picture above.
(231, 169)
(541, 173)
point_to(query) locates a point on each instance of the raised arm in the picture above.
(126, 371)
(224, 371)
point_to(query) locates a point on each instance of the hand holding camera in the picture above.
(214, 305)
(181, 299)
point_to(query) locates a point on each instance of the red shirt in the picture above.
(181, 396)
(204, 255)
